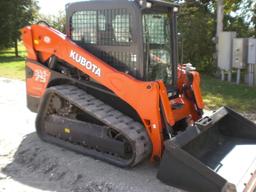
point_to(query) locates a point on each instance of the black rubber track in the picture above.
(133, 131)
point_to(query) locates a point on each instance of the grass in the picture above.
(11, 66)
(215, 92)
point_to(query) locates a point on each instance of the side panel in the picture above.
(37, 78)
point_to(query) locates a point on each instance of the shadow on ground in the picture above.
(4, 59)
(48, 167)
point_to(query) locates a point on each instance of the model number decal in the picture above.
(86, 63)
(41, 75)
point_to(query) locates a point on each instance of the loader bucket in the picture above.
(217, 154)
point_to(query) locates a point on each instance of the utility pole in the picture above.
(220, 17)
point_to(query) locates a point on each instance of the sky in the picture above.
(51, 7)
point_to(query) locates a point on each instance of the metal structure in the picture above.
(225, 53)
(252, 61)
(239, 56)
(252, 51)
(237, 53)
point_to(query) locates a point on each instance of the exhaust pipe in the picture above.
(218, 154)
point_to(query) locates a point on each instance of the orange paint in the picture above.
(37, 84)
(144, 97)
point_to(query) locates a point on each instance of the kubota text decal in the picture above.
(86, 63)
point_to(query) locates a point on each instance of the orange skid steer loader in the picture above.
(111, 89)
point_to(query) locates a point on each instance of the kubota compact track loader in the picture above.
(111, 88)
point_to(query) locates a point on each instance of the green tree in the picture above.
(5, 27)
(197, 25)
(24, 13)
(253, 21)
(239, 17)
(56, 21)
(14, 15)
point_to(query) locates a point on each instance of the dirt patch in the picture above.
(29, 164)
(62, 170)
(251, 116)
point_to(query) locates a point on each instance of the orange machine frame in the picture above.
(144, 97)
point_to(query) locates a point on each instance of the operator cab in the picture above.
(135, 37)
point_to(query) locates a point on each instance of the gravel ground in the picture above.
(28, 164)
